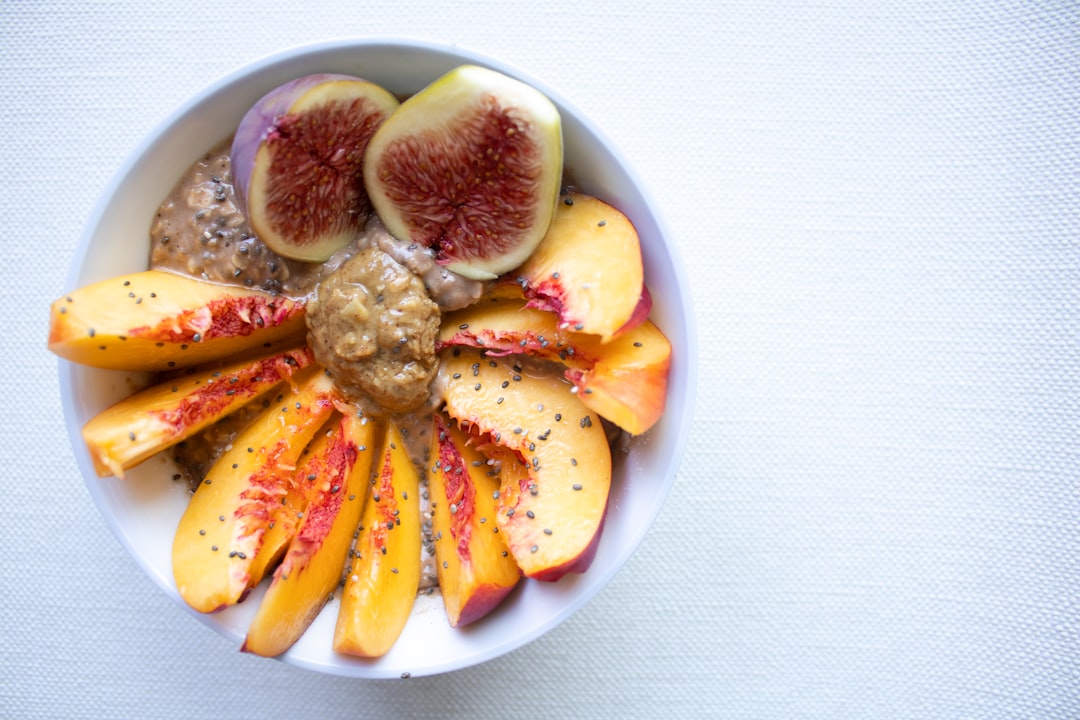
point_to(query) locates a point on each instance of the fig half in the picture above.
(470, 166)
(297, 160)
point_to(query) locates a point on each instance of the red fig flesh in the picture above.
(470, 166)
(297, 160)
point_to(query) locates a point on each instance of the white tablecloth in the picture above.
(878, 205)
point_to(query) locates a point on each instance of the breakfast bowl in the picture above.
(144, 507)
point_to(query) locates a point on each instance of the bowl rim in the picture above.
(688, 360)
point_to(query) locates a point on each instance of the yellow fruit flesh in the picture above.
(155, 320)
(628, 382)
(222, 527)
(473, 563)
(589, 263)
(381, 584)
(341, 464)
(123, 435)
(532, 412)
(624, 380)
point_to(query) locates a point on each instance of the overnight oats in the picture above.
(393, 353)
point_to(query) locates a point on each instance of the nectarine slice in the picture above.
(474, 566)
(222, 527)
(381, 584)
(624, 380)
(286, 518)
(587, 269)
(155, 320)
(552, 512)
(127, 433)
(337, 468)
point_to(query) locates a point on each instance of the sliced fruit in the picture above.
(381, 584)
(338, 468)
(640, 314)
(627, 385)
(469, 166)
(552, 513)
(588, 269)
(624, 380)
(122, 436)
(155, 320)
(285, 519)
(473, 563)
(223, 525)
(297, 162)
(516, 518)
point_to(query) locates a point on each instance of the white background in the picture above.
(878, 205)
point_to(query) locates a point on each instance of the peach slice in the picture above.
(338, 468)
(285, 519)
(555, 508)
(223, 525)
(588, 269)
(627, 385)
(624, 380)
(155, 320)
(473, 563)
(381, 584)
(127, 433)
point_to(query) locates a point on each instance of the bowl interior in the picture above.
(144, 508)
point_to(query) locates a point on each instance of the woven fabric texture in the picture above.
(878, 208)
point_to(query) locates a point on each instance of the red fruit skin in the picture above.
(474, 567)
(560, 446)
(458, 491)
(549, 297)
(579, 564)
(623, 380)
(640, 314)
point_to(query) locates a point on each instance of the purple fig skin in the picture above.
(261, 119)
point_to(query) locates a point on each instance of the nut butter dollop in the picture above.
(372, 326)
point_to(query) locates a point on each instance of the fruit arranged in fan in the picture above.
(314, 492)
(166, 413)
(624, 380)
(336, 474)
(588, 269)
(552, 506)
(222, 529)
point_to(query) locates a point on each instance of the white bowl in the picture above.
(144, 508)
